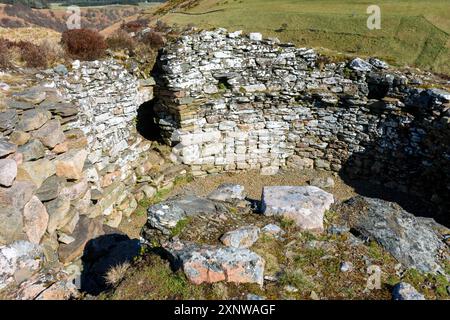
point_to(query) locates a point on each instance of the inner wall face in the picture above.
(226, 102)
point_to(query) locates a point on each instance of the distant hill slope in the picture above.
(413, 32)
(56, 17)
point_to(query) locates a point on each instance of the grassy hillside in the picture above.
(412, 32)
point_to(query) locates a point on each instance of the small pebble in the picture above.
(346, 266)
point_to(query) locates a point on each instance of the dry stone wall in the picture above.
(226, 101)
(70, 161)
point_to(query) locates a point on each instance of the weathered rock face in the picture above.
(409, 239)
(227, 102)
(35, 220)
(18, 261)
(165, 216)
(405, 291)
(243, 237)
(8, 169)
(213, 264)
(306, 206)
(228, 192)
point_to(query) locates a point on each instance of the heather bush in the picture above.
(28, 53)
(84, 44)
(5, 54)
(32, 54)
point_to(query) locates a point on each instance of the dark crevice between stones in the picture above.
(146, 121)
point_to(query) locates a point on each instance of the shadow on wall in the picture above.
(416, 176)
(100, 255)
(145, 121)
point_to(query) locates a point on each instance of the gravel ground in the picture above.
(254, 183)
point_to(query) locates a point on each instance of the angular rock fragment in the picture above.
(228, 192)
(6, 148)
(35, 219)
(405, 291)
(70, 164)
(243, 237)
(50, 134)
(85, 230)
(34, 95)
(36, 171)
(8, 172)
(8, 119)
(19, 261)
(32, 150)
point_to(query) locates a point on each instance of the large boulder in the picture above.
(19, 261)
(204, 263)
(412, 241)
(306, 206)
(165, 216)
(243, 237)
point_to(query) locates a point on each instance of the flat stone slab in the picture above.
(164, 216)
(305, 205)
(204, 263)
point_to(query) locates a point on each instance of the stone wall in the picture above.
(226, 101)
(70, 161)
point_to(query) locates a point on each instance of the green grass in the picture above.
(412, 32)
(180, 227)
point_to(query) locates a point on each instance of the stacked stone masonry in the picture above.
(229, 102)
(72, 167)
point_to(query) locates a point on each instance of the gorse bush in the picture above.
(84, 44)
